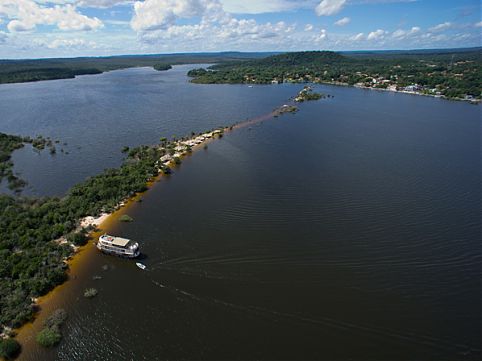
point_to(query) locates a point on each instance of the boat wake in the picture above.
(372, 330)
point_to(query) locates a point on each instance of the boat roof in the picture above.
(121, 242)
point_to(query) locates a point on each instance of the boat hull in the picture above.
(121, 255)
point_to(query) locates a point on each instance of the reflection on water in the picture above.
(348, 231)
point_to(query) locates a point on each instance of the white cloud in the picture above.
(322, 35)
(259, 7)
(478, 25)
(343, 21)
(102, 3)
(376, 35)
(357, 37)
(161, 14)
(158, 25)
(70, 43)
(308, 27)
(156, 21)
(25, 15)
(402, 34)
(441, 27)
(238, 34)
(16, 26)
(329, 7)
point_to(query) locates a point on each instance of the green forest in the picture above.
(452, 74)
(18, 71)
(32, 261)
(32, 264)
(162, 67)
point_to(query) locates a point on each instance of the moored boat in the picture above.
(118, 246)
(141, 265)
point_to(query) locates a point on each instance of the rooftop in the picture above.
(121, 242)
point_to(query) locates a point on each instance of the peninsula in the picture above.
(448, 74)
(40, 234)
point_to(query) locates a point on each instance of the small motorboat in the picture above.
(141, 265)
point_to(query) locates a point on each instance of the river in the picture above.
(349, 230)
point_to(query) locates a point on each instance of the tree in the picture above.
(9, 348)
(49, 337)
(77, 238)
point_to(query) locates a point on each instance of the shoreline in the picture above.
(47, 303)
(470, 101)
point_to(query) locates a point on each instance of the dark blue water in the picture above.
(348, 231)
(98, 115)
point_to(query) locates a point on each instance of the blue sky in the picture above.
(65, 28)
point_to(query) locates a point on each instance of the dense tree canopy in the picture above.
(32, 263)
(451, 74)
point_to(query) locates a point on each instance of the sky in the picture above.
(70, 28)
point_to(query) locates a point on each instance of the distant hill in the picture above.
(302, 58)
(232, 66)
(448, 73)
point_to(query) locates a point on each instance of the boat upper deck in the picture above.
(116, 241)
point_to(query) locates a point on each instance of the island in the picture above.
(307, 94)
(162, 67)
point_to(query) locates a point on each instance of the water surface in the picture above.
(348, 231)
(97, 115)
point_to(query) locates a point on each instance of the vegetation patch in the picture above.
(17, 71)
(9, 348)
(125, 218)
(162, 67)
(78, 238)
(51, 335)
(32, 264)
(10, 143)
(451, 74)
(285, 109)
(307, 94)
(33, 261)
(90, 293)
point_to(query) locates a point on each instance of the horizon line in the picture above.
(247, 52)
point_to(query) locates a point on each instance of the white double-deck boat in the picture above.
(118, 246)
